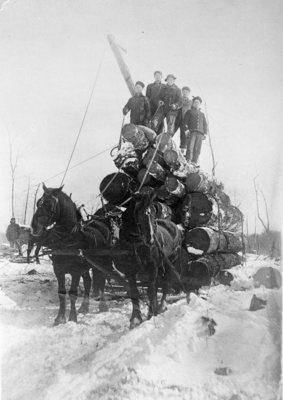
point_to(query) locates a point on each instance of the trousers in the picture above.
(194, 144)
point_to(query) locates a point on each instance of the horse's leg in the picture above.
(36, 253)
(136, 318)
(165, 289)
(60, 275)
(29, 249)
(73, 294)
(84, 308)
(152, 286)
(98, 282)
(103, 306)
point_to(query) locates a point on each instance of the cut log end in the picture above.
(198, 239)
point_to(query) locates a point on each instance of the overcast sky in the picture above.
(229, 52)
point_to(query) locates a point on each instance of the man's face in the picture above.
(186, 93)
(170, 81)
(138, 89)
(158, 77)
(197, 104)
(13, 221)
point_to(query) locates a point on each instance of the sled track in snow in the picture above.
(171, 356)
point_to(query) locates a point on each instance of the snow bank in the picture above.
(172, 356)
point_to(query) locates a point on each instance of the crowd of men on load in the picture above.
(168, 102)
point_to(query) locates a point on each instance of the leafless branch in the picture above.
(266, 208)
(13, 166)
(266, 227)
(210, 142)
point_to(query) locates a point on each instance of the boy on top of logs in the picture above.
(179, 123)
(139, 106)
(195, 127)
(152, 93)
(170, 98)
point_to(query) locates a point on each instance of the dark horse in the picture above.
(154, 246)
(55, 209)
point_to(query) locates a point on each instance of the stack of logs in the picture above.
(212, 226)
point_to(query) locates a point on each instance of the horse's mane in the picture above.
(68, 209)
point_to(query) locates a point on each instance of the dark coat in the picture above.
(140, 109)
(153, 92)
(195, 121)
(13, 232)
(171, 95)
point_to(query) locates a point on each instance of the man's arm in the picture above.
(127, 107)
(147, 110)
(186, 120)
(204, 125)
(178, 100)
(148, 91)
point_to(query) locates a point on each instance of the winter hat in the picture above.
(140, 83)
(197, 98)
(170, 76)
(157, 72)
(186, 88)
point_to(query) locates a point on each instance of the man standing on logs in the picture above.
(152, 93)
(195, 127)
(139, 106)
(179, 123)
(170, 99)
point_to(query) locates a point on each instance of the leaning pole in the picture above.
(121, 62)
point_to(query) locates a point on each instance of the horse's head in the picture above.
(144, 215)
(48, 210)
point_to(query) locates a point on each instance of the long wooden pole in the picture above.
(122, 64)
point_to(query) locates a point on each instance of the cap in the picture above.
(140, 83)
(186, 88)
(197, 98)
(170, 76)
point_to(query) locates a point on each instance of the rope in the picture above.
(149, 165)
(84, 117)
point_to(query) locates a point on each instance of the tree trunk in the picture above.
(199, 272)
(115, 188)
(209, 240)
(174, 186)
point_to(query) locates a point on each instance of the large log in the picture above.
(174, 186)
(209, 240)
(200, 272)
(140, 136)
(157, 171)
(198, 182)
(169, 198)
(196, 210)
(157, 156)
(127, 159)
(115, 188)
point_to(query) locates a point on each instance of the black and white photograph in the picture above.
(141, 199)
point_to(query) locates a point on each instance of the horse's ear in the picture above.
(60, 189)
(44, 187)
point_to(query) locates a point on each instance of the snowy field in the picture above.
(172, 356)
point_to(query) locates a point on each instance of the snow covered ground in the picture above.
(171, 356)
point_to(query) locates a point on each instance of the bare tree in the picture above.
(26, 203)
(265, 225)
(214, 163)
(35, 198)
(13, 166)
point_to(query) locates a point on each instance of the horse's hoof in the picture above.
(59, 320)
(83, 309)
(73, 318)
(103, 307)
(162, 308)
(134, 322)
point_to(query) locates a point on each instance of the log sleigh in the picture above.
(197, 203)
